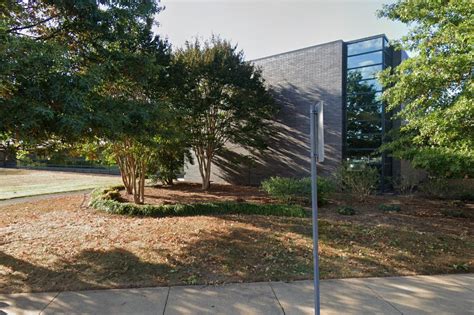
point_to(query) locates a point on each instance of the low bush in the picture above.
(405, 185)
(442, 188)
(101, 202)
(297, 190)
(389, 208)
(454, 213)
(346, 210)
(360, 180)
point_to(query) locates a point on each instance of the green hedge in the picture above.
(103, 199)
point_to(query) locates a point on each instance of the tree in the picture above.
(222, 99)
(129, 101)
(172, 152)
(434, 87)
(84, 71)
(53, 53)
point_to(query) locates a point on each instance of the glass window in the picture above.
(365, 113)
(362, 156)
(373, 83)
(365, 46)
(367, 72)
(363, 140)
(364, 60)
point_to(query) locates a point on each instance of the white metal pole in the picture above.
(314, 201)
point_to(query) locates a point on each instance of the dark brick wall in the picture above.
(297, 79)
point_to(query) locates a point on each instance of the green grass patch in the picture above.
(106, 200)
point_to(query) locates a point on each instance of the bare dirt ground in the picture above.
(60, 244)
(16, 183)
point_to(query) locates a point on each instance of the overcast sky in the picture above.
(265, 27)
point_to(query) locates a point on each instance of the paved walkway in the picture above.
(450, 294)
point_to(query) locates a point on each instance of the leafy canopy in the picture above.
(221, 99)
(78, 69)
(434, 87)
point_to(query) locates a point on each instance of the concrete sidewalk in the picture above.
(448, 294)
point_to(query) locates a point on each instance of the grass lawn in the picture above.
(20, 183)
(60, 244)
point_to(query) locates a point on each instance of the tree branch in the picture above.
(19, 28)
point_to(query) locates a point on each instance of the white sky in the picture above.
(265, 27)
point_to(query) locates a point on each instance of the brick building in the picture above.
(342, 75)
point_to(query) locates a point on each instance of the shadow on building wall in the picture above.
(288, 151)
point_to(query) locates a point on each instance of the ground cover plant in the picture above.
(109, 200)
(346, 210)
(61, 244)
(389, 208)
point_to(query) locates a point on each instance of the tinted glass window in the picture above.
(362, 155)
(365, 46)
(364, 140)
(367, 72)
(372, 83)
(364, 60)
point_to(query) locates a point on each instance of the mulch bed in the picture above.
(59, 244)
(192, 192)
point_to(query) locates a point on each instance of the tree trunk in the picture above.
(206, 184)
(204, 162)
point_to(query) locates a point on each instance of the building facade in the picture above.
(342, 75)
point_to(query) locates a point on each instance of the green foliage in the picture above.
(463, 267)
(454, 213)
(99, 201)
(405, 184)
(222, 99)
(360, 180)
(389, 208)
(442, 188)
(67, 76)
(112, 195)
(346, 210)
(434, 87)
(171, 154)
(292, 190)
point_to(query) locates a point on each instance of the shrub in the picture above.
(99, 201)
(346, 210)
(454, 213)
(112, 195)
(297, 190)
(361, 180)
(389, 208)
(405, 184)
(442, 188)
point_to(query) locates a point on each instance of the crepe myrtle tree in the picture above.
(84, 71)
(222, 98)
(434, 86)
(130, 106)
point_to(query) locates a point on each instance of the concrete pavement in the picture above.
(447, 294)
